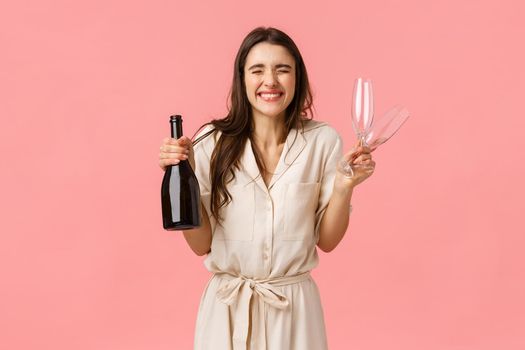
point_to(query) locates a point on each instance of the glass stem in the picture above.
(362, 141)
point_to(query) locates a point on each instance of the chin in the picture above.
(272, 113)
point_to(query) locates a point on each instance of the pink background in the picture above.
(433, 258)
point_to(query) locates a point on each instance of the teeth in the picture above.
(270, 95)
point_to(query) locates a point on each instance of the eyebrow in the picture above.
(280, 65)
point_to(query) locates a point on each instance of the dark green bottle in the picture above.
(181, 201)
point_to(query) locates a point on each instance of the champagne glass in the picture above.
(371, 132)
(386, 126)
(362, 108)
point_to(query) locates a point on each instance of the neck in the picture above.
(268, 132)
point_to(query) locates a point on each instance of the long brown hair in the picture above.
(236, 126)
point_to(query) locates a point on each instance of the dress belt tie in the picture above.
(240, 290)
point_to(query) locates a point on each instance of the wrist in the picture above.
(342, 194)
(343, 184)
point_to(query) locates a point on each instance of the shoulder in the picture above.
(205, 139)
(322, 133)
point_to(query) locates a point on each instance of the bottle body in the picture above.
(180, 194)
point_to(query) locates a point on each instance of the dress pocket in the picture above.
(301, 201)
(238, 215)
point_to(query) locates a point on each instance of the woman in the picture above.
(272, 193)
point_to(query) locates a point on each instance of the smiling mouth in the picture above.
(270, 97)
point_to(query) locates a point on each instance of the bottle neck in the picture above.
(176, 128)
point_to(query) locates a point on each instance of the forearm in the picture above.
(199, 239)
(335, 219)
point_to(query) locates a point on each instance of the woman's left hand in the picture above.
(360, 157)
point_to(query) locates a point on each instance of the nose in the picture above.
(270, 79)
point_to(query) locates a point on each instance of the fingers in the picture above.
(174, 159)
(363, 149)
(371, 166)
(173, 151)
(164, 163)
(364, 171)
(358, 150)
(357, 157)
(173, 155)
(364, 158)
(182, 141)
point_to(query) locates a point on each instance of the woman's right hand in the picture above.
(173, 151)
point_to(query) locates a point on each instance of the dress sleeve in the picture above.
(202, 151)
(327, 180)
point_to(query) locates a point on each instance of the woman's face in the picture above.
(269, 76)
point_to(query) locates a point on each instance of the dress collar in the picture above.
(294, 145)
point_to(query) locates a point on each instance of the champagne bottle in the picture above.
(181, 202)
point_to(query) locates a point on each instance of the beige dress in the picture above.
(261, 295)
